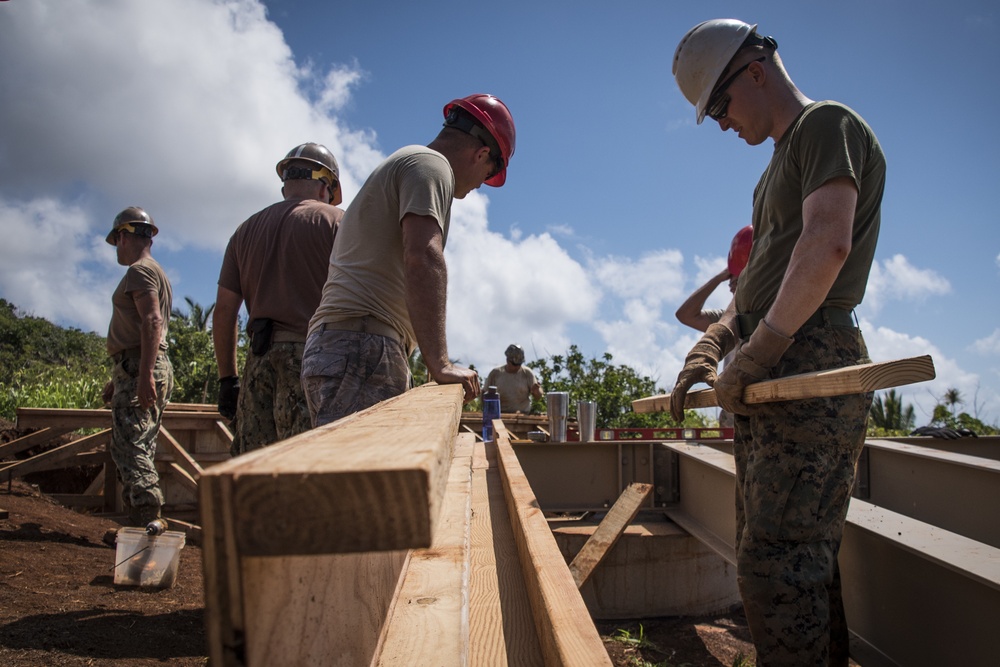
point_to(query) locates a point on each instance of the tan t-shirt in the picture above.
(514, 388)
(366, 269)
(826, 141)
(277, 261)
(125, 330)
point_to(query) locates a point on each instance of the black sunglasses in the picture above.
(718, 103)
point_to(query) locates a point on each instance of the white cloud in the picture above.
(885, 344)
(988, 345)
(897, 279)
(524, 289)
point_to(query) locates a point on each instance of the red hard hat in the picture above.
(493, 115)
(739, 251)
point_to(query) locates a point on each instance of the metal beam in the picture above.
(953, 491)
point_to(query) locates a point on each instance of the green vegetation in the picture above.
(613, 387)
(43, 365)
(888, 416)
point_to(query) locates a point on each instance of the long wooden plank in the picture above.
(608, 531)
(45, 460)
(501, 627)
(565, 631)
(72, 419)
(395, 457)
(39, 437)
(181, 455)
(429, 620)
(836, 382)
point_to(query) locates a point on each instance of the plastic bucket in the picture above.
(142, 560)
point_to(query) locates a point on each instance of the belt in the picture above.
(835, 317)
(132, 353)
(366, 324)
(287, 337)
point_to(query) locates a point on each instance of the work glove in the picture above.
(701, 364)
(752, 363)
(229, 394)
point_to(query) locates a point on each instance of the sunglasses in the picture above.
(718, 103)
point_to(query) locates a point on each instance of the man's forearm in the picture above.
(426, 301)
(224, 334)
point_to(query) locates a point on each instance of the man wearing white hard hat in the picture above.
(816, 217)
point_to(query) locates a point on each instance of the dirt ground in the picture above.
(59, 604)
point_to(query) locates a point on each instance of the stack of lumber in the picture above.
(387, 538)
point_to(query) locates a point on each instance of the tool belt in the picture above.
(367, 324)
(835, 317)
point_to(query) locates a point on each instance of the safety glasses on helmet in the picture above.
(718, 103)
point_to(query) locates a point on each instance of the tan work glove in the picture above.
(752, 363)
(701, 364)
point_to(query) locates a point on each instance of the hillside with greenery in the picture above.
(46, 365)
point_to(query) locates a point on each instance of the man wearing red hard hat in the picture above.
(387, 285)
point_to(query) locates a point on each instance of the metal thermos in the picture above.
(556, 403)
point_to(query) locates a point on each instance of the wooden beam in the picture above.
(181, 455)
(608, 531)
(429, 620)
(501, 627)
(565, 631)
(836, 382)
(45, 460)
(223, 430)
(71, 419)
(9, 449)
(184, 477)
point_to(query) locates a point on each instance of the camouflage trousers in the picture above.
(271, 405)
(133, 436)
(344, 372)
(795, 470)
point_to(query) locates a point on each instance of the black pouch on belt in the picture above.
(260, 335)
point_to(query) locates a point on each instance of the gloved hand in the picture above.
(752, 363)
(701, 364)
(229, 394)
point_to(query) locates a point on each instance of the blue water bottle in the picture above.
(491, 411)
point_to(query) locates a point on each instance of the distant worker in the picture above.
(276, 262)
(515, 382)
(691, 312)
(816, 217)
(142, 378)
(387, 285)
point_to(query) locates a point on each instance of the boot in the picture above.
(142, 515)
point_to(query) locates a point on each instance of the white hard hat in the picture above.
(703, 54)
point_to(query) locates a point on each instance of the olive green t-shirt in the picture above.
(366, 268)
(125, 330)
(827, 140)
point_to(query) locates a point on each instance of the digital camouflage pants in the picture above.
(133, 436)
(344, 372)
(795, 470)
(272, 405)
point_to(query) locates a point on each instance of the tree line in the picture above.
(45, 365)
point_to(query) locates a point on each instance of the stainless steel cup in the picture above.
(557, 403)
(586, 417)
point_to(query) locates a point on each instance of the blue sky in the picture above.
(617, 205)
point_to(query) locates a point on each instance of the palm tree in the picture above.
(197, 316)
(889, 414)
(952, 398)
